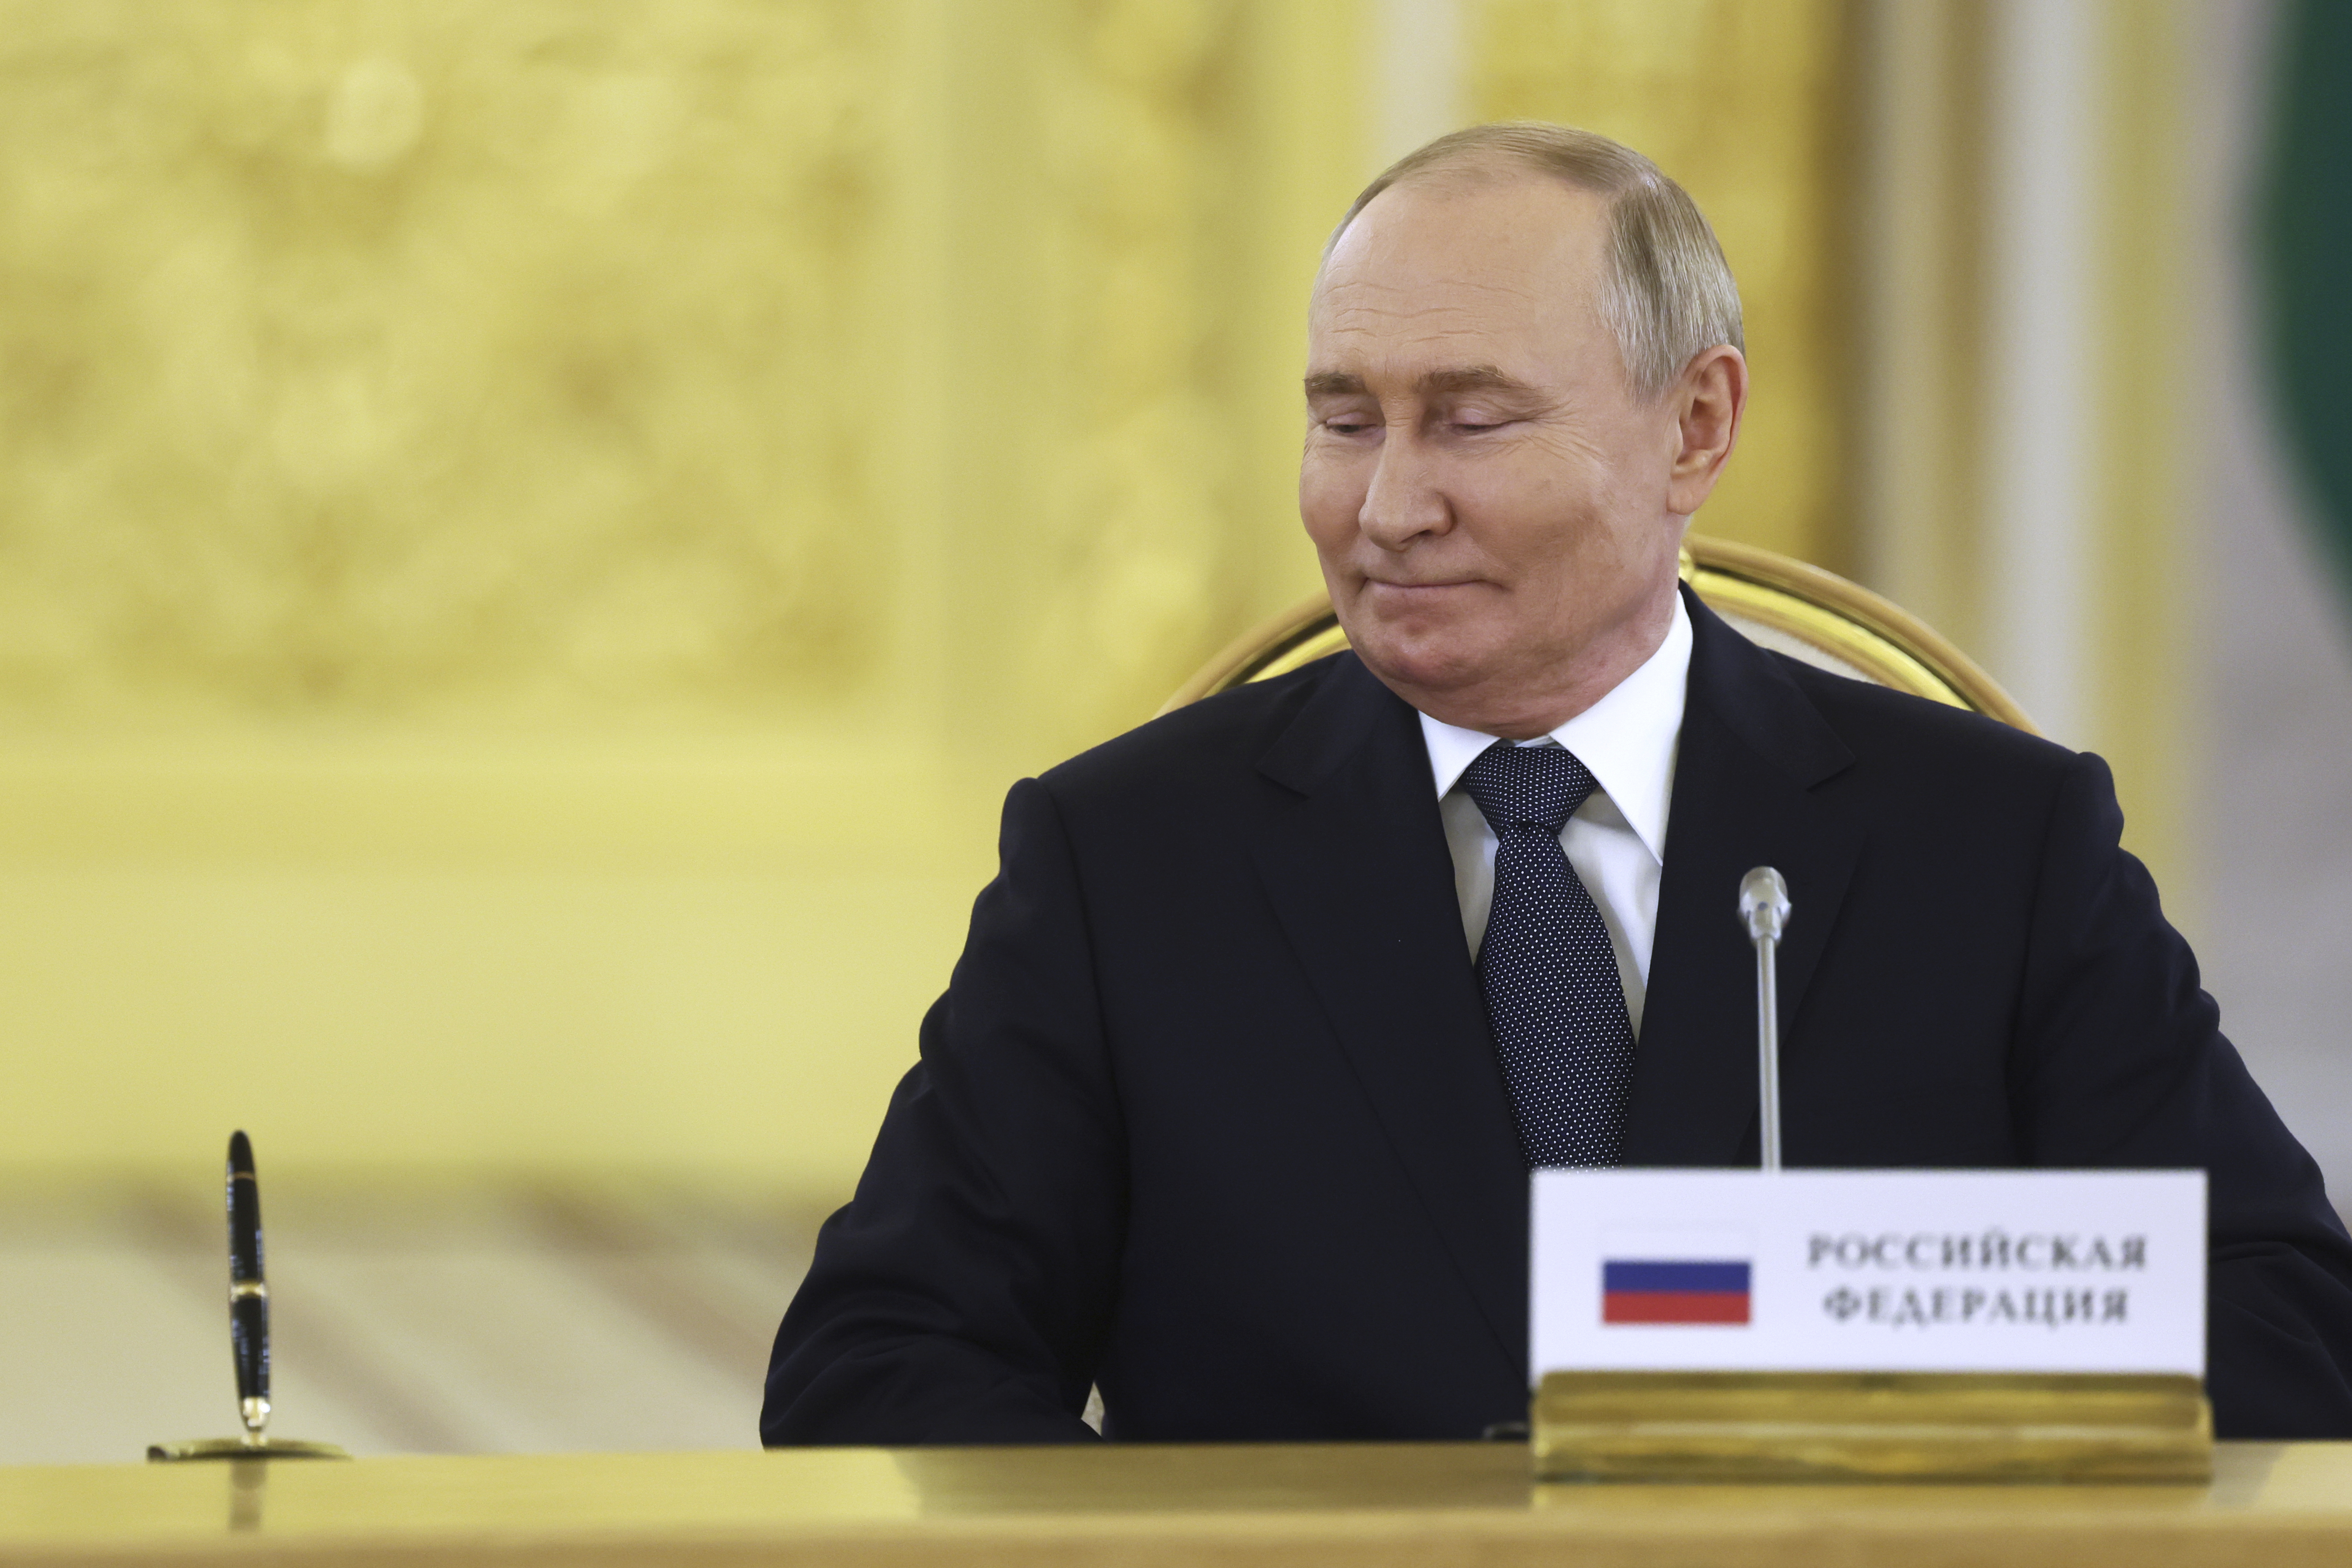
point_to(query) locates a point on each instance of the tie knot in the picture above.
(1528, 786)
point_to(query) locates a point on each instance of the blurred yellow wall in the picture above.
(533, 536)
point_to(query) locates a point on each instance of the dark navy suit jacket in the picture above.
(1210, 1114)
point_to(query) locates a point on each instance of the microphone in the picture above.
(1764, 911)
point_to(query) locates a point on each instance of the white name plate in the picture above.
(2030, 1271)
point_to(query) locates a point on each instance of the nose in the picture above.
(1404, 501)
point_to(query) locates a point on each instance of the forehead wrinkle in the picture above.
(1492, 313)
(1446, 342)
(1387, 310)
(1412, 299)
(1431, 326)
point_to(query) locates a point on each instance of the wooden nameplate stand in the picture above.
(1737, 1426)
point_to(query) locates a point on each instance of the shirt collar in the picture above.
(1627, 738)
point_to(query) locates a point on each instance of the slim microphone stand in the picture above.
(1764, 910)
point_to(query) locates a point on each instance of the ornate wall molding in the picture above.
(440, 361)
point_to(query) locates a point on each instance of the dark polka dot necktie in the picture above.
(1552, 992)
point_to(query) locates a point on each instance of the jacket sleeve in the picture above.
(2121, 1063)
(963, 1293)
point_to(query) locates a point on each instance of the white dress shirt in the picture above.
(1617, 839)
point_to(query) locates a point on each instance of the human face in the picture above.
(1497, 514)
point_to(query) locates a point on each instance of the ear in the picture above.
(1707, 403)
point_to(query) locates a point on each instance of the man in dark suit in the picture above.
(1229, 1106)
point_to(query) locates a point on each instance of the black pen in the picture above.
(248, 1292)
(248, 1334)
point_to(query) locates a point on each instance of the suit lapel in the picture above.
(1353, 857)
(1752, 749)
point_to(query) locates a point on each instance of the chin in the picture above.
(1424, 661)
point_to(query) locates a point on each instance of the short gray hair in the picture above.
(1668, 296)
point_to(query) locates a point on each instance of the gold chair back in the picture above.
(1780, 602)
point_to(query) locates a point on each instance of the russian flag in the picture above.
(1641, 1290)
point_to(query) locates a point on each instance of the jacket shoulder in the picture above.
(1211, 739)
(1884, 727)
